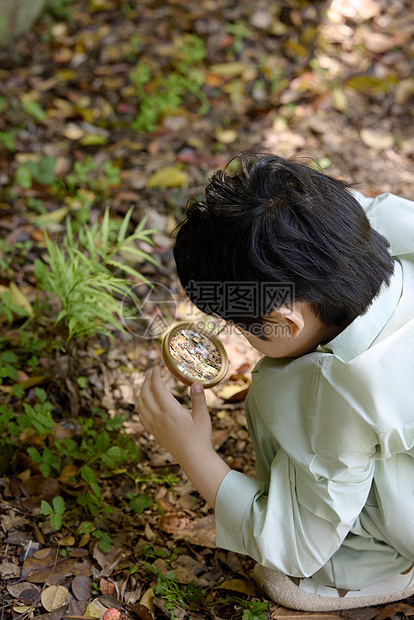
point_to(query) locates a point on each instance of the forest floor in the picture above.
(120, 103)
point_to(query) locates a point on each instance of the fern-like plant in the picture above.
(81, 274)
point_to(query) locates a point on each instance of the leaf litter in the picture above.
(330, 80)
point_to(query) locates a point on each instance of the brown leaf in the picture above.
(378, 43)
(107, 561)
(200, 532)
(56, 614)
(233, 393)
(78, 553)
(148, 599)
(219, 437)
(108, 601)
(39, 485)
(228, 69)
(404, 90)
(66, 541)
(141, 611)
(169, 176)
(395, 608)
(39, 570)
(67, 474)
(9, 570)
(82, 587)
(54, 597)
(17, 589)
(239, 585)
(173, 522)
(376, 140)
(186, 569)
(107, 587)
(282, 612)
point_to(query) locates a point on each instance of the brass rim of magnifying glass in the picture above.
(172, 366)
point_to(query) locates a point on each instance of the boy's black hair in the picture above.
(276, 222)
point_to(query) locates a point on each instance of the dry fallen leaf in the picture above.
(9, 570)
(404, 90)
(16, 589)
(92, 611)
(39, 570)
(226, 136)
(239, 585)
(290, 614)
(107, 587)
(20, 299)
(200, 532)
(170, 176)
(395, 608)
(376, 140)
(236, 389)
(73, 131)
(173, 522)
(54, 597)
(82, 587)
(228, 69)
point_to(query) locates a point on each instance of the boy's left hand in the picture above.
(185, 434)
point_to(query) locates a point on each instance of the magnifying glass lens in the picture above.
(192, 355)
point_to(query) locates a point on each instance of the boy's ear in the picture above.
(291, 317)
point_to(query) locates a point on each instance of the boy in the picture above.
(330, 518)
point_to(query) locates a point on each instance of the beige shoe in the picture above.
(311, 596)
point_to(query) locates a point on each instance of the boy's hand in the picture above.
(179, 430)
(184, 434)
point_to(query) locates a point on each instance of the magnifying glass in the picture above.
(194, 355)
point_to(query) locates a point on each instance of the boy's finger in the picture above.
(198, 401)
(162, 396)
(146, 398)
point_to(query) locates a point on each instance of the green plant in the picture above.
(240, 31)
(8, 427)
(105, 541)
(8, 366)
(168, 588)
(95, 451)
(61, 9)
(36, 205)
(88, 175)
(161, 93)
(39, 416)
(56, 511)
(7, 140)
(139, 502)
(82, 275)
(42, 172)
(254, 610)
(34, 109)
(9, 309)
(12, 253)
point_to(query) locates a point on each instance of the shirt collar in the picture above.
(361, 333)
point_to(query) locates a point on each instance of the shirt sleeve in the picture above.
(393, 217)
(315, 485)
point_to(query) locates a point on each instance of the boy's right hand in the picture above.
(186, 434)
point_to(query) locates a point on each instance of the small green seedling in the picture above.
(56, 511)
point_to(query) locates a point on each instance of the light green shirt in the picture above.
(333, 433)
